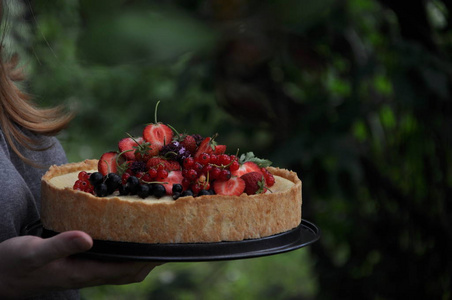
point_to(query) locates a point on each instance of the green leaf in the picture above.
(249, 156)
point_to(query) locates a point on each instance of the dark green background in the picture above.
(353, 95)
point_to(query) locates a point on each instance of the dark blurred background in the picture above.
(355, 96)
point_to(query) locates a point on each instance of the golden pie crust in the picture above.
(203, 219)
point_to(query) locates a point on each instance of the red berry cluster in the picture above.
(83, 184)
(158, 173)
(199, 172)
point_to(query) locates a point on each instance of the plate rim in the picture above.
(294, 237)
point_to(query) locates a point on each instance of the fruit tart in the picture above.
(167, 187)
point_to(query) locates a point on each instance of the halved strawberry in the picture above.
(127, 146)
(173, 178)
(108, 162)
(233, 187)
(254, 183)
(246, 167)
(157, 135)
(204, 147)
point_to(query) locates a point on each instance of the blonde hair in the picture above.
(18, 111)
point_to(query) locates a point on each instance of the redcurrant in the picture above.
(83, 175)
(225, 175)
(203, 159)
(192, 174)
(162, 174)
(206, 169)
(234, 166)
(214, 159)
(224, 159)
(152, 173)
(214, 173)
(197, 167)
(196, 188)
(188, 162)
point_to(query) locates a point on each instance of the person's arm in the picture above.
(30, 265)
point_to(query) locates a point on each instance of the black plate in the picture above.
(305, 234)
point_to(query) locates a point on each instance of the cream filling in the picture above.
(68, 180)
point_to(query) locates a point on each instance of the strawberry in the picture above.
(209, 146)
(169, 165)
(143, 150)
(204, 147)
(173, 178)
(108, 162)
(269, 178)
(254, 183)
(157, 135)
(172, 165)
(246, 167)
(134, 148)
(189, 143)
(125, 147)
(220, 149)
(234, 186)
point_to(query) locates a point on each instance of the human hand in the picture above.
(30, 265)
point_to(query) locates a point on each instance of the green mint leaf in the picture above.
(249, 156)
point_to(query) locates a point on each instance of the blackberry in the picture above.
(133, 183)
(101, 190)
(204, 193)
(158, 190)
(113, 182)
(187, 193)
(143, 191)
(96, 178)
(123, 190)
(138, 166)
(177, 188)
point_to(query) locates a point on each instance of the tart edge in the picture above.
(202, 219)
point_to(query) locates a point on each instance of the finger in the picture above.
(61, 245)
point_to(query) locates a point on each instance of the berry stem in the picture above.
(155, 111)
(173, 129)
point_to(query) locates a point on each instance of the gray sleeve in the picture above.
(20, 198)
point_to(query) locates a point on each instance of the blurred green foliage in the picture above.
(353, 95)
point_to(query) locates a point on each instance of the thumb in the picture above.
(62, 245)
